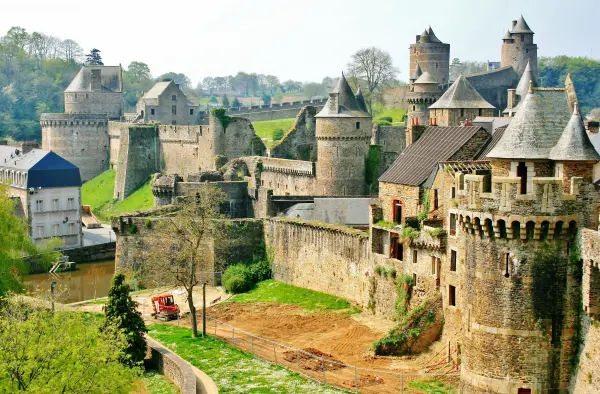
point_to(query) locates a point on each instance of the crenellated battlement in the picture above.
(68, 120)
(284, 166)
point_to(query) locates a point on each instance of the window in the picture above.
(435, 199)
(524, 391)
(55, 229)
(451, 295)
(40, 231)
(174, 97)
(55, 204)
(151, 111)
(397, 248)
(191, 111)
(71, 202)
(174, 109)
(462, 112)
(414, 256)
(397, 211)
(527, 50)
(558, 170)
(71, 228)
(39, 205)
(87, 96)
(453, 193)
(357, 125)
(433, 265)
(522, 37)
(453, 258)
(522, 173)
(436, 65)
(452, 224)
(173, 122)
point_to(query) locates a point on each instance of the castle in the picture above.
(500, 223)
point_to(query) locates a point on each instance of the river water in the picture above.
(88, 281)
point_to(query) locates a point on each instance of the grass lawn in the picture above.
(433, 386)
(157, 384)
(395, 113)
(98, 193)
(272, 291)
(232, 370)
(266, 128)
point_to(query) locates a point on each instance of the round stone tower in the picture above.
(343, 131)
(81, 139)
(430, 55)
(521, 273)
(423, 92)
(518, 48)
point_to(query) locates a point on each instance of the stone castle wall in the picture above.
(392, 141)
(299, 142)
(274, 111)
(395, 97)
(82, 139)
(493, 85)
(107, 104)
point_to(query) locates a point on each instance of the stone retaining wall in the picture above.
(84, 254)
(173, 367)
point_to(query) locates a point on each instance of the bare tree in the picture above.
(71, 51)
(373, 67)
(180, 243)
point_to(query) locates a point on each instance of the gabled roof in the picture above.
(536, 127)
(522, 27)
(426, 78)
(574, 143)
(461, 95)
(347, 102)
(110, 79)
(432, 36)
(437, 143)
(417, 73)
(361, 100)
(44, 168)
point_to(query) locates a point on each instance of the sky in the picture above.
(302, 40)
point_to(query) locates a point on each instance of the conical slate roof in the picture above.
(574, 143)
(507, 36)
(361, 100)
(417, 73)
(425, 38)
(347, 102)
(522, 27)
(461, 95)
(426, 78)
(537, 126)
(523, 87)
(432, 36)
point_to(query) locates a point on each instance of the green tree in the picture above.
(179, 78)
(120, 312)
(179, 245)
(138, 72)
(266, 99)
(93, 58)
(225, 101)
(62, 352)
(236, 103)
(14, 244)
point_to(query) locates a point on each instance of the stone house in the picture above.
(165, 103)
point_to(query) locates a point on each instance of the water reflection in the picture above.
(87, 281)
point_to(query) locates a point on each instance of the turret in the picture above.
(518, 48)
(424, 92)
(430, 54)
(516, 96)
(343, 131)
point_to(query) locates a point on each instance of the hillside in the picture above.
(268, 129)
(98, 193)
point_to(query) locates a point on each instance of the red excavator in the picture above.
(165, 307)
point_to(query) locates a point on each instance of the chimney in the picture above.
(514, 23)
(512, 93)
(333, 103)
(26, 146)
(592, 127)
(96, 81)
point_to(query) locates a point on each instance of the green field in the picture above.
(281, 293)
(266, 128)
(98, 193)
(395, 113)
(233, 370)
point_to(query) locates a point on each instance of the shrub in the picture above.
(412, 222)
(148, 223)
(240, 278)
(383, 123)
(379, 270)
(133, 228)
(278, 134)
(392, 272)
(387, 119)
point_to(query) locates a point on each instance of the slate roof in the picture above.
(417, 73)
(574, 143)
(110, 79)
(536, 127)
(361, 100)
(349, 106)
(523, 87)
(426, 78)
(507, 36)
(432, 36)
(496, 136)
(595, 140)
(437, 143)
(156, 90)
(44, 168)
(522, 27)
(461, 95)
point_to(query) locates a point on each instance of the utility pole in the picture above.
(203, 309)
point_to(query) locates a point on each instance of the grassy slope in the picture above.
(272, 291)
(156, 383)
(266, 128)
(98, 193)
(232, 370)
(395, 113)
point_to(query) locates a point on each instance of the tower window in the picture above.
(527, 50)
(522, 173)
(414, 256)
(174, 109)
(191, 111)
(436, 65)
(451, 295)
(453, 259)
(414, 107)
(357, 125)
(522, 37)
(151, 111)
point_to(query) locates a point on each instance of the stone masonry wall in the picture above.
(299, 142)
(392, 141)
(590, 253)
(138, 159)
(408, 195)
